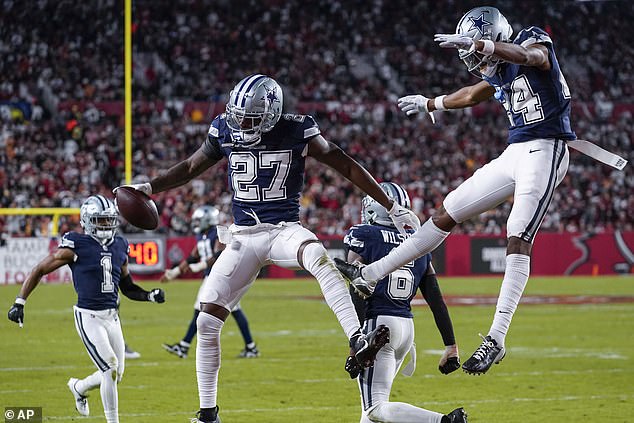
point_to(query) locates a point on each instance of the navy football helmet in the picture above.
(99, 218)
(483, 23)
(374, 213)
(204, 217)
(254, 107)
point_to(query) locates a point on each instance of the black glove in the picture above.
(352, 367)
(156, 295)
(16, 313)
(451, 365)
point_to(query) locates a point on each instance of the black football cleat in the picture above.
(457, 416)
(207, 415)
(484, 357)
(249, 352)
(352, 272)
(365, 347)
(176, 349)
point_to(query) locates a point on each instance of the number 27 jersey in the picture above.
(267, 179)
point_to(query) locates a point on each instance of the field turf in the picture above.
(565, 363)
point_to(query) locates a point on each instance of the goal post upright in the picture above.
(128, 89)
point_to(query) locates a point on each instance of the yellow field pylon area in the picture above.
(56, 212)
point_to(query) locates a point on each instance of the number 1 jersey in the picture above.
(96, 269)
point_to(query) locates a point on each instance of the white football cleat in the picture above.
(81, 402)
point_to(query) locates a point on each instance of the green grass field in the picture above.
(565, 363)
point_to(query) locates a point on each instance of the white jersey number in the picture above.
(244, 173)
(106, 269)
(401, 284)
(525, 102)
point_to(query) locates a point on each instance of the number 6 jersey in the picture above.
(537, 102)
(268, 178)
(393, 293)
(96, 269)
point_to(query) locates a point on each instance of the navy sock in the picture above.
(191, 330)
(243, 324)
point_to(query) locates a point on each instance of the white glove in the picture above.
(198, 267)
(461, 42)
(145, 188)
(412, 104)
(172, 273)
(403, 217)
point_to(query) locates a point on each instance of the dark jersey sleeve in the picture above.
(355, 240)
(211, 146)
(68, 241)
(431, 292)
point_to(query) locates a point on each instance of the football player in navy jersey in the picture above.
(523, 74)
(390, 305)
(98, 259)
(266, 152)
(204, 224)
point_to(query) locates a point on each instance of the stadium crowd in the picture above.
(347, 68)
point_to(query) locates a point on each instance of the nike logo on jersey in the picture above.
(504, 312)
(532, 151)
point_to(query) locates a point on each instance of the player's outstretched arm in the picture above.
(535, 55)
(333, 156)
(176, 271)
(464, 97)
(49, 264)
(135, 292)
(183, 172)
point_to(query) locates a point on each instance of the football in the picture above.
(137, 208)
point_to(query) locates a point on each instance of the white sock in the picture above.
(403, 413)
(109, 395)
(518, 268)
(423, 241)
(208, 358)
(333, 286)
(90, 382)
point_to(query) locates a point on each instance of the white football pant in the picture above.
(100, 331)
(253, 247)
(528, 171)
(375, 383)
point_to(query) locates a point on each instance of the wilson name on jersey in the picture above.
(393, 294)
(268, 178)
(96, 269)
(205, 244)
(537, 102)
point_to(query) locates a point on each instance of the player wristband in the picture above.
(197, 267)
(488, 47)
(439, 103)
(20, 300)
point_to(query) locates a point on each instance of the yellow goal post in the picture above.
(56, 212)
